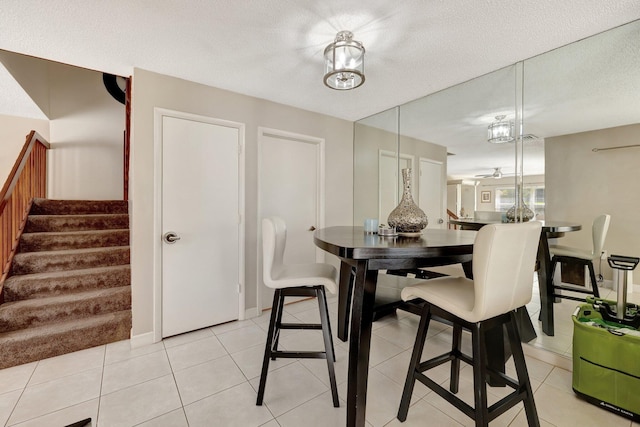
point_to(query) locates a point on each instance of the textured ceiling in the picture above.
(587, 85)
(272, 49)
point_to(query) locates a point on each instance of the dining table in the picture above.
(550, 229)
(361, 257)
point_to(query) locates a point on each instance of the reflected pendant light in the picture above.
(344, 62)
(500, 131)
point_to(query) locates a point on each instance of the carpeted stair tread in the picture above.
(41, 285)
(28, 345)
(47, 223)
(73, 259)
(69, 286)
(64, 240)
(78, 207)
(36, 312)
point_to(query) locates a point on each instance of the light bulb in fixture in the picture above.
(344, 62)
(500, 131)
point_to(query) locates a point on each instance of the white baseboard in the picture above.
(630, 288)
(252, 312)
(142, 340)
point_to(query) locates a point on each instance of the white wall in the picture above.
(87, 136)
(85, 127)
(152, 90)
(582, 184)
(13, 132)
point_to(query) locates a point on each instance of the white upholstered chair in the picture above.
(504, 258)
(581, 256)
(294, 280)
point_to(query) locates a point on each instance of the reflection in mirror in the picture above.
(458, 118)
(435, 135)
(375, 148)
(380, 153)
(577, 98)
(581, 97)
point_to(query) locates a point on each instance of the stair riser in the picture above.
(27, 317)
(46, 223)
(78, 207)
(41, 262)
(36, 242)
(18, 288)
(69, 284)
(29, 348)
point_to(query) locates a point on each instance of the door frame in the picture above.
(443, 187)
(320, 176)
(158, 114)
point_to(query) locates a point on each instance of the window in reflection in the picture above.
(532, 195)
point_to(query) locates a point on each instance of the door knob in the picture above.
(312, 228)
(170, 237)
(440, 220)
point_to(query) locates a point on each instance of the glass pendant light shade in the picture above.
(500, 131)
(344, 62)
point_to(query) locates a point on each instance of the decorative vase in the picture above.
(407, 217)
(514, 213)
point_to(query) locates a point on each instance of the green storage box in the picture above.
(606, 362)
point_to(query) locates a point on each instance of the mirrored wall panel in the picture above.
(577, 110)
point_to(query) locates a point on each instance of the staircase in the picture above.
(69, 287)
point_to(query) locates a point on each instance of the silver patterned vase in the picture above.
(407, 217)
(515, 213)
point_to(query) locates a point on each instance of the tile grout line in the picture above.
(21, 394)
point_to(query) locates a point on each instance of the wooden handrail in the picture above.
(452, 216)
(27, 180)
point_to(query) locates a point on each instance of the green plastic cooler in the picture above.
(606, 363)
(606, 350)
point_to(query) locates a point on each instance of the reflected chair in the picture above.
(503, 260)
(294, 280)
(581, 257)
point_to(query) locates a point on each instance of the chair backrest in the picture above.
(504, 257)
(274, 238)
(599, 230)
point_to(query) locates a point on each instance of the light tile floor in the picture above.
(209, 378)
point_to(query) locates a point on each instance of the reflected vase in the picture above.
(407, 217)
(514, 213)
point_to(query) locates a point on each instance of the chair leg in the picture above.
(410, 382)
(479, 375)
(455, 362)
(268, 346)
(554, 264)
(594, 281)
(521, 370)
(276, 339)
(328, 343)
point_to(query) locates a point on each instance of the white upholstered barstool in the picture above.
(294, 280)
(504, 258)
(581, 256)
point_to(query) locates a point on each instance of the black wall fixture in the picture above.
(111, 83)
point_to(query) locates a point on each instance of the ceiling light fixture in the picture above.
(344, 62)
(500, 131)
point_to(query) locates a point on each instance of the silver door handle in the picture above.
(170, 237)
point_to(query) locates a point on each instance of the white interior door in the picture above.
(201, 205)
(291, 188)
(430, 198)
